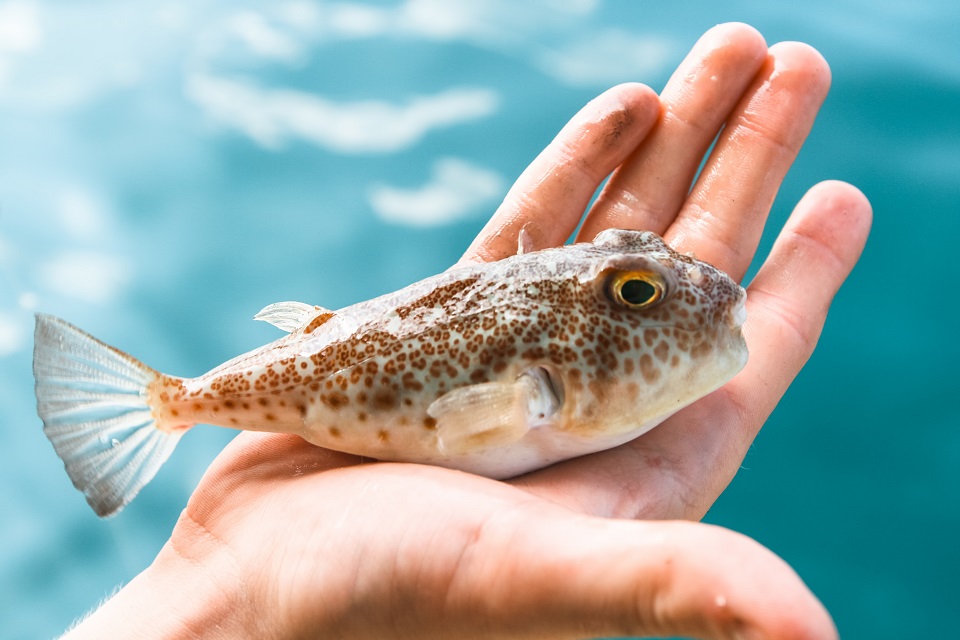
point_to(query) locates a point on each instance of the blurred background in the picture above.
(169, 168)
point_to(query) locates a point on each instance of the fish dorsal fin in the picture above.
(290, 316)
(494, 413)
(524, 241)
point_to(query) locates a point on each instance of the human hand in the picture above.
(282, 539)
(762, 103)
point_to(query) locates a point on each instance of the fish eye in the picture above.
(635, 289)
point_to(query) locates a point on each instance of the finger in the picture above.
(562, 577)
(787, 306)
(789, 299)
(649, 189)
(723, 218)
(678, 469)
(549, 198)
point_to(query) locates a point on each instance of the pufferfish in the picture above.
(495, 369)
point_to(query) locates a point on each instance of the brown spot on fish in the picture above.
(335, 400)
(410, 382)
(700, 349)
(648, 369)
(662, 351)
(384, 399)
(317, 322)
(649, 337)
(355, 375)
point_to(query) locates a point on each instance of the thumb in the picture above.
(580, 577)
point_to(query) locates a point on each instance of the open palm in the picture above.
(283, 539)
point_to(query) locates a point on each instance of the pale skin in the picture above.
(604, 545)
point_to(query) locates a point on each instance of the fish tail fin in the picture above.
(96, 409)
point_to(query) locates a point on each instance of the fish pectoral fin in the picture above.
(290, 316)
(480, 415)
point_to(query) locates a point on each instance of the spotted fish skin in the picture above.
(496, 369)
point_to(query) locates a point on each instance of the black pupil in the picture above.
(637, 292)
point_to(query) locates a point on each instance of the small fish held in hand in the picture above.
(496, 369)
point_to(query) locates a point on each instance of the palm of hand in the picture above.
(321, 544)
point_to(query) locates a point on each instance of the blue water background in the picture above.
(168, 168)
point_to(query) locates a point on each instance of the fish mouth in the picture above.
(737, 316)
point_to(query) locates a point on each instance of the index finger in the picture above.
(548, 199)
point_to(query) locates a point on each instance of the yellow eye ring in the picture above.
(636, 289)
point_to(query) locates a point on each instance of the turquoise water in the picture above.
(168, 169)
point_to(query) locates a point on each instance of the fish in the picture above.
(495, 369)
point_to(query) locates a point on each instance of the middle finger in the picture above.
(649, 189)
(724, 216)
